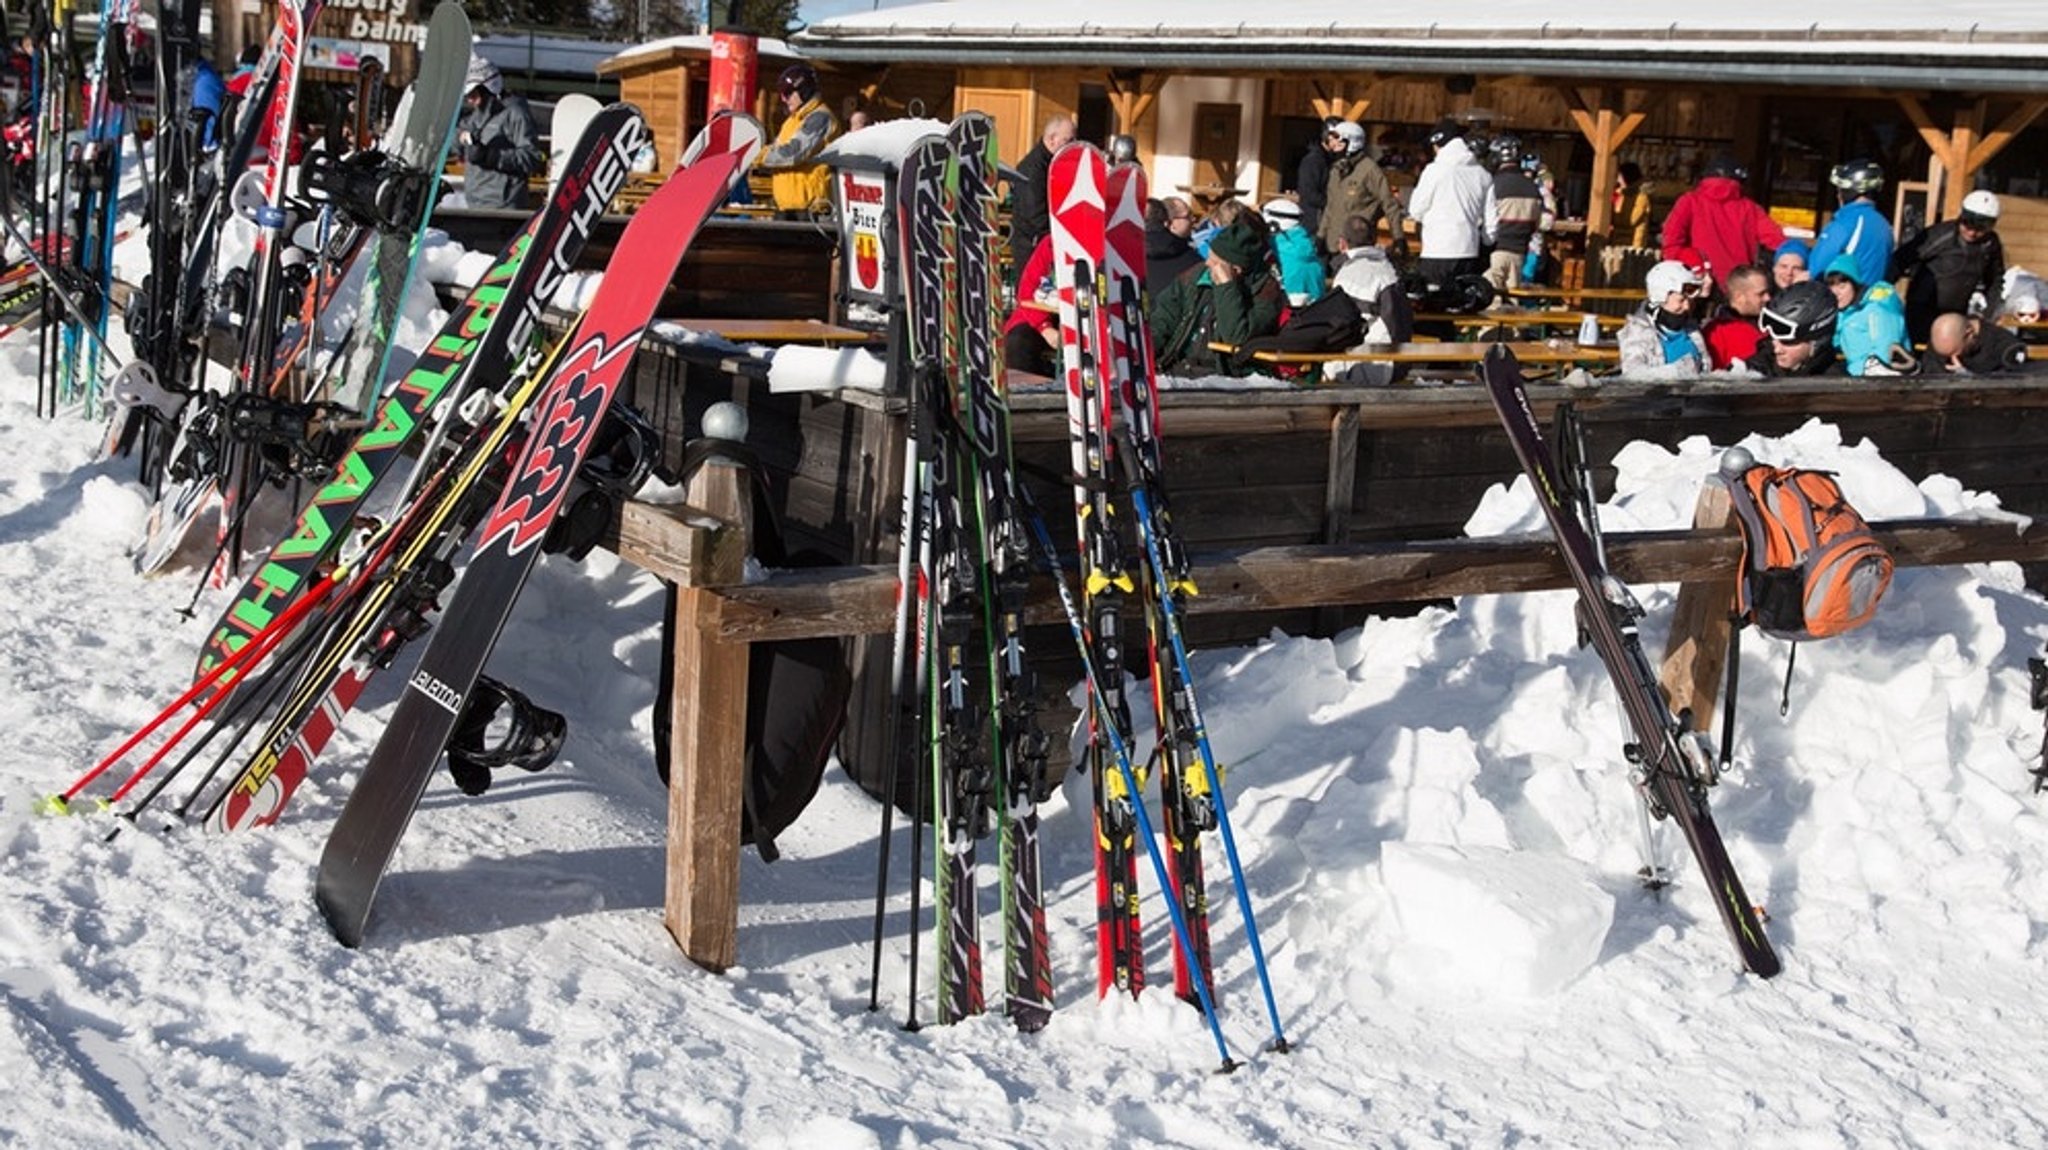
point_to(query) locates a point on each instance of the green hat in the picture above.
(1242, 244)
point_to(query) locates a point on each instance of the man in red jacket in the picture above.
(1721, 223)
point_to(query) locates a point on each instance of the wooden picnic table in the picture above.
(1549, 352)
(1545, 317)
(778, 330)
(1540, 291)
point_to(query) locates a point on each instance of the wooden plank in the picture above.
(860, 600)
(707, 741)
(1527, 351)
(1696, 654)
(776, 330)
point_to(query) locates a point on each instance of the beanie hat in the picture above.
(1242, 243)
(483, 74)
(1793, 247)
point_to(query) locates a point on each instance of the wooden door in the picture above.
(1214, 149)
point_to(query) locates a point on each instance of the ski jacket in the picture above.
(796, 183)
(1301, 270)
(1030, 215)
(1944, 270)
(1731, 339)
(1454, 203)
(1358, 187)
(1652, 350)
(1193, 311)
(501, 151)
(1518, 210)
(1719, 222)
(1870, 328)
(1166, 256)
(1860, 232)
(1312, 186)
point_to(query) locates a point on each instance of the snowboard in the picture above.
(567, 417)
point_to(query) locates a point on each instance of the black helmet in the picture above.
(1445, 132)
(1725, 164)
(1858, 177)
(1123, 149)
(799, 80)
(1506, 150)
(1805, 311)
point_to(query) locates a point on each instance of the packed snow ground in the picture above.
(1431, 810)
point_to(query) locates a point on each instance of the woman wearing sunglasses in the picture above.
(1661, 339)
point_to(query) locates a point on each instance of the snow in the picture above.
(1437, 836)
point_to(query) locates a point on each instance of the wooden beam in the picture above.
(1606, 128)
(2015, 122)
(861, 600)
(708, 739)
(1131, 102)
(1696, 655)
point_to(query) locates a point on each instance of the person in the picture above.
(1167, 250)
(2021, 313)
(1661, 339)
(1232, 298)
(496, 137)
(1966, 345)
(1221, 216)
(1518, 213)
(1453, 203)
(1357, 186)
(1030, 217)
(1301, 270)
(1715, 218)
(1631, 225)
(798, 183)
(1031, 333)
(1733, 335)
(1312, 179)
(1788, 265)
(1374, 284)
(1945, 265)
(1799, 332)
(1858, 230)
(858, 119)
(1871, 329)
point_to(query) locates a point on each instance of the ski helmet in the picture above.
(1506, 151)
(1123, 149)
(1670, 276)
(799, 80)
(1282, 213)
(1805, 311)
(1445, 132)
(1352, 135)
(1857, 177)
(1980, 210)
(1725, 164)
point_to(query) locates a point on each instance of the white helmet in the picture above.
(1352, 134)
(1981, 204)
(1282, 213)
(1667, 277)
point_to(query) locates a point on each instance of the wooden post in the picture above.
(707, 741)
(1967, 146)
(1696, 656)
(1606, 128)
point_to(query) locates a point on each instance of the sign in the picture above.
(864, 200)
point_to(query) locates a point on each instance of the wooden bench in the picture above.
(1544, 317)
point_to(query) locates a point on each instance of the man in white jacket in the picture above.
(1453, 204)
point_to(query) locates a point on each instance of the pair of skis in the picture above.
(963, 708)
(1097, 237)
(1670, 765)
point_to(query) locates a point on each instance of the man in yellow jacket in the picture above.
(799, 184)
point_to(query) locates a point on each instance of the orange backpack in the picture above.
(1811, 567)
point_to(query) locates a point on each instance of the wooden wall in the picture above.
(2023, 229)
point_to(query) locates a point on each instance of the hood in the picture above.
(1720, 188)
(1457, 151)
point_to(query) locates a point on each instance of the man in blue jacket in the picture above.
(1858, 230)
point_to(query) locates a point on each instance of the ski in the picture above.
(1077, 179)
(1017, 746)
(475, 348)
(567, 414)
(1670, 766)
